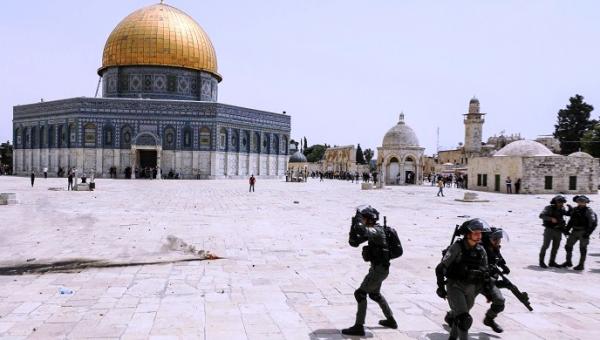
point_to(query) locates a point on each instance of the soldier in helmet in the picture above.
(462, 275)
(365, 228)
(554, 226)
(492, 244)
(583, 221)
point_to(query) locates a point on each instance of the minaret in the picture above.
(473, 128)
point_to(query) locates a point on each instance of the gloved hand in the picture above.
(505, 270)
(441, 292)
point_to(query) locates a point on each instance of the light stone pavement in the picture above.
(288, 271)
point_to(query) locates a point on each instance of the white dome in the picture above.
(581, 154)
(524, 148)
(400, 135)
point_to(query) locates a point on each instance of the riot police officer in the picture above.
(583, 221)
(365, 228)
(497, 264)
(491, 242)
(465, 267)
(554, 226)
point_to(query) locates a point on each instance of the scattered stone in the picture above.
(470, 197)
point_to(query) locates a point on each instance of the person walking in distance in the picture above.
(252, 181)
(440, 185)
(508, 185)
(32, 178)
(70, 181)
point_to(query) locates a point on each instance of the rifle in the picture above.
(454, 234)
(521, 296)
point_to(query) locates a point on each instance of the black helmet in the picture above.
(368, 211)
(475, 224)
(495, 233)
(558, 199)
(581, 198)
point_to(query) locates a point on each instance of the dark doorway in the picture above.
(409, 177)
(497, 183)
(147, 158)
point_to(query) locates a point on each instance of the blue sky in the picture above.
(343, 69)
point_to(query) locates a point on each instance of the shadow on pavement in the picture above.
(334, 334)
(549, 269)
(444, 336)
(77, 265)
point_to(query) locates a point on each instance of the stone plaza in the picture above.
(286, 272)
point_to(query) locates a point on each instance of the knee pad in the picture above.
(375, 296)
(463, 321)
(568, 248)
(360, 295)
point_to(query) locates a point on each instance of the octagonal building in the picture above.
(158, 110)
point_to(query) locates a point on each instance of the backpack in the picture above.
(394, 245)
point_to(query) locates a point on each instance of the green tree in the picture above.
(6, 156)
(314, 153)
(572, 123)
(368, 153)
(590, 142)
(360, 158)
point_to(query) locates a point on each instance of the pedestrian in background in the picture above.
(252, 182)
(32, 178)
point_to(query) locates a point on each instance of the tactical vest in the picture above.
(579, 220)
(470, 266)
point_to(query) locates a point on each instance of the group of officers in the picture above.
(471, 265)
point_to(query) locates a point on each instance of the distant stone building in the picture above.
(340, 159)
(540, 170)
(473, 145)
(550, 142)
(297, 166)
(400, 158)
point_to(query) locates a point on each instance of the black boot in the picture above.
(554, 264)
(579, 266)
(492, 324)
(389, 323)
(354, 330)
(568, 262)
(542, 264)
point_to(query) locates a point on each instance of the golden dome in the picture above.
(160, 35)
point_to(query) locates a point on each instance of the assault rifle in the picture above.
(505, 283)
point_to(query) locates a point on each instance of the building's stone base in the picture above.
(189, 164)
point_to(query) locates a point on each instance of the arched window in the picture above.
(276, 146)
(18, 137)
(235, 141)
(169, 138)
(26, 138)
(43, 137)
(256, 142)
(126, 136)
(187, 137)
(89, 132)
(72, 135)
(51, 137)
(205, 138)
(62, 136)
(33, 137)
(223, 139)
(285, 145)
(245, 142)
(108, 136)
(267, 143)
